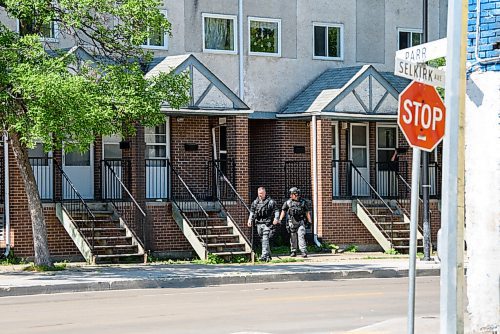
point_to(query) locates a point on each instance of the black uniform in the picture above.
(263, 212)
(297, 220)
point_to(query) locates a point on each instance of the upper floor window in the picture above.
(264, 36)
(157, 39)
(48, 32)
(328, 41)
(408, 38)
(219, 33)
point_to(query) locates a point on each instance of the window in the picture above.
(156, 142)
(157, 39)
(408, 38)
(219, 34)
(328, 41)
(48, 32)
(264, 36)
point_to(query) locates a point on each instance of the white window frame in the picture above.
(410, 30)
(267, 20)
(220, 16)
(329, 25)
(385, 125)
(165, 38)
(54, 39)
(166, 143)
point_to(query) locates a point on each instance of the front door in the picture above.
(79, 167)
(386, 160)
(360, 159)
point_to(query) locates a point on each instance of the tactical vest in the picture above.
(264, 210)
(297, 210)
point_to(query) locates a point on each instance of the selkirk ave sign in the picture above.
(419, 72)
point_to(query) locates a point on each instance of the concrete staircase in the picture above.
(215, 234)
(388, 225)
(105, 239)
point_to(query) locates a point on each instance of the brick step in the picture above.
(222, 254)
(105, 233)
(109, 241)
(88, 225)
(216, 230)
(102, 229)
(116, 250)
(199, 222)
(228, 238)
(116, 258)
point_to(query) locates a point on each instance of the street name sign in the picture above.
(421, 116)
(424, 52)
(419, 72)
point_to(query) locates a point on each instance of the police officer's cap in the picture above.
(294, 190)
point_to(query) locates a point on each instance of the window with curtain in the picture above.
(328, 41)
(219, 33)
(265, 36)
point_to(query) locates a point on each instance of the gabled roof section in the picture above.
(351, 92)
(209, 95)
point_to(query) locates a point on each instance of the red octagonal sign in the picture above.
(421, 116)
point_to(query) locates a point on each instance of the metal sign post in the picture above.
(452, 266)
(415, 173)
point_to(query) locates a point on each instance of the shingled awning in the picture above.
(209, 95)
(349, 93)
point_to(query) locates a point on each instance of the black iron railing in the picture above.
(298, 174)
(435, 175)
(232, 203)
(125, 205)
(157, 179)
(121, 168)
(43, 172)
(76, 207)
(387, 178)
(227, 167)
(189, 206)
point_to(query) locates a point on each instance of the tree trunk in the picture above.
(40, 243)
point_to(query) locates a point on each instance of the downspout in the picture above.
(6, 195)
(240, 49)
(315, 179)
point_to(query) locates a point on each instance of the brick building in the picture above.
(316, 108)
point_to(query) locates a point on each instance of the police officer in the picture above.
(299, 214)
(264, 212)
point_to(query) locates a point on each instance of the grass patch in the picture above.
(391, 251)
(287, 260)
(35, 268)
(12, 259)
(351, 249)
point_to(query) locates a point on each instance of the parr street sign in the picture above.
(419, 72)
(421, 116)
(423, 52)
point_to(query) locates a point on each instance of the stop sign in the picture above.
(421, 116)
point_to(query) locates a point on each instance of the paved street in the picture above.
(340, 306)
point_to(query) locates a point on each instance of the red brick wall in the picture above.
(60, 244)
(271, 144)
(191, 165)
(167, 235)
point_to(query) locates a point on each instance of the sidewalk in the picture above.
(81, 277)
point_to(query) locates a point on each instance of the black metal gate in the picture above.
(298, 174)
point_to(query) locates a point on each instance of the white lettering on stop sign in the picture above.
(423, 115)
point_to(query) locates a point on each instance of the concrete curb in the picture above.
(194, 282)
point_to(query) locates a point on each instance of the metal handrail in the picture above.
(371, 187)
(136, 205)
(125, 188)
(239, 200)
(198, 205)
(82, 202)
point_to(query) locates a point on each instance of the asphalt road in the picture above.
(368, 305)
